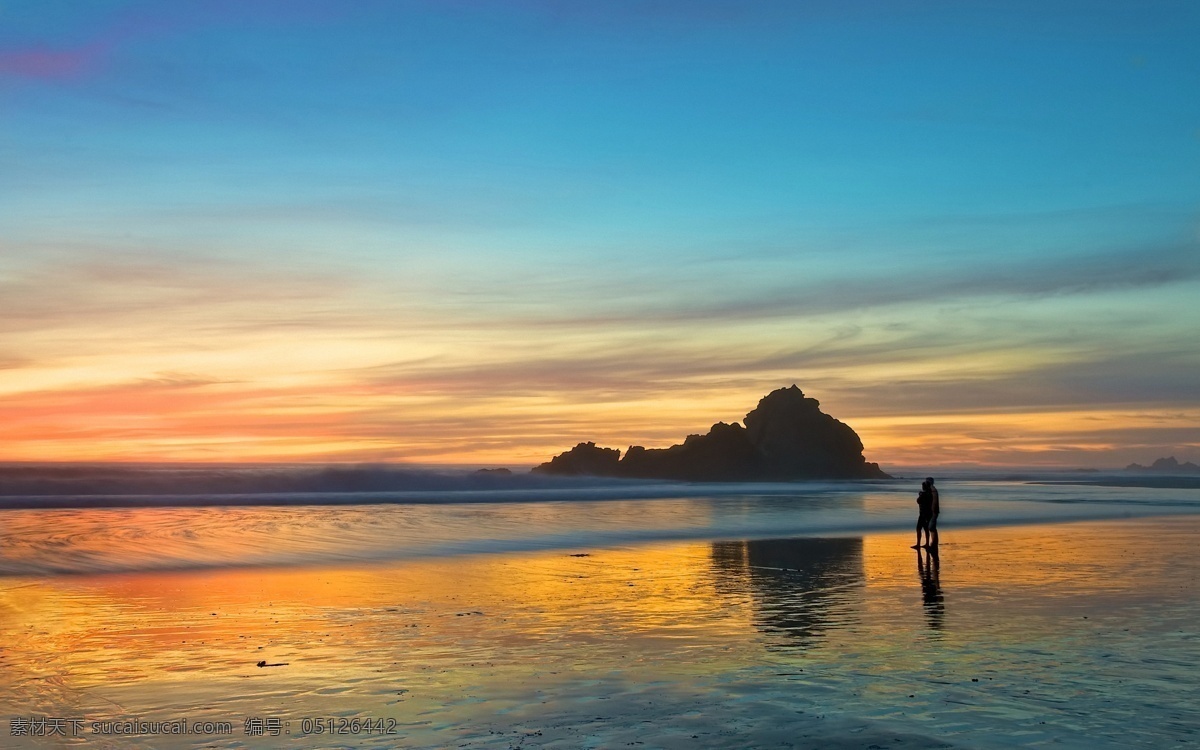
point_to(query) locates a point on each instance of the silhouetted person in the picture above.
(924, 514)
(936, 509)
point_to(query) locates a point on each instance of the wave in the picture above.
(108, 486)
(84, 480)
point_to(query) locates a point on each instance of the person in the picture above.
(924, 513)
(935, 508)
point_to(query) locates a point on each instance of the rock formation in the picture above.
(786, 436)
(1167, 465)
(585, 458)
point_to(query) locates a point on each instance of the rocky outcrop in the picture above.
(1169, 465)
(786, 436)
(724, 454)
(797, 439)
(585, 458)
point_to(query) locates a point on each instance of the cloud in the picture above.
(800, 295)
(252, 361)
(81, 291)
(107, 36)
(1154, 376)
(702, 293)
(43, 63)
(1096, 439)
(917, 371)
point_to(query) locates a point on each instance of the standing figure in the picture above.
(924, 514)
(935, 508)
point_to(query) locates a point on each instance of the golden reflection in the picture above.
(459, 641)
(799, 588)
(146, 627)
(929, 568)
(524, 612)
(1090, 567)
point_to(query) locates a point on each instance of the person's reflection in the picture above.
(799, 588)
(928, 566)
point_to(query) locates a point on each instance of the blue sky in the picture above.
(539, 208)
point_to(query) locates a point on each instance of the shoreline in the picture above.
(471, 489)
(624, 539)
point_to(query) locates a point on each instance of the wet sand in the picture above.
(1065, 635)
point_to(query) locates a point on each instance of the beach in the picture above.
(562, 375)
(1062, 633)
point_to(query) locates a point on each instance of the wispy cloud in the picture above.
(82, 291)
(110, 33)
(47, 64)
(798, 294)
(1154, 375)
(1089, 437)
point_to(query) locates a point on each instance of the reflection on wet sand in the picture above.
(813, 642)
(799, 588)
(929, 565)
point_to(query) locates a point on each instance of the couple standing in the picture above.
(927, 505)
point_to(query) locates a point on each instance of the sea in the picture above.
(79, 519)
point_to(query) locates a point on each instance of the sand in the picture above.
(1063, 635)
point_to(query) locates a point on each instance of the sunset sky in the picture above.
(458, 231)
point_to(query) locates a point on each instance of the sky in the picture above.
(467, 232)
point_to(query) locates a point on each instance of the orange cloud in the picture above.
(131, 359)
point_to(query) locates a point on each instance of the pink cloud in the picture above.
(42, 63)
(45, 63)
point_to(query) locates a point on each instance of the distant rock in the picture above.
(585, 458)
(786, 436)
(501, 472)
(1167, 466)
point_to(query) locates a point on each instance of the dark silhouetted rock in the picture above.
(1167, 465)
(797, 439)
(786, 436)
(724, 454)
(501, 472)
(584, 458)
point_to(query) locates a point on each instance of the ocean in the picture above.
(448, 515)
